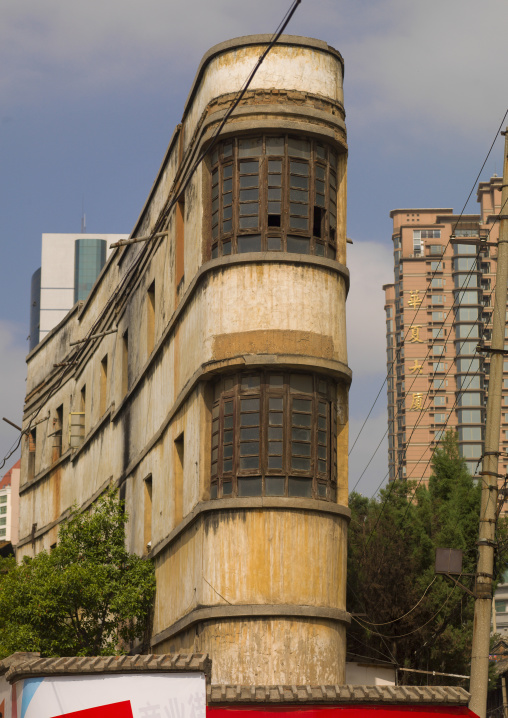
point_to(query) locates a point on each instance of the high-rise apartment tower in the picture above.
(438, 312)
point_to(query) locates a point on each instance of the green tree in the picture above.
(87, 597)
(391, 554)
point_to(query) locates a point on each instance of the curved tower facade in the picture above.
(220, 404)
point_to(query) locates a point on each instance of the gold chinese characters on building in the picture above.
(414, 300)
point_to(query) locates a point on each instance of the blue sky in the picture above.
(91, 92)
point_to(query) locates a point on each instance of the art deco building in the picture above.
(215, 391)
(437, 312)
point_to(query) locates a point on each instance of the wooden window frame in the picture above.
(232, 195)
(278, 410)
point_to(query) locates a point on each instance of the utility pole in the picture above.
(487, 533)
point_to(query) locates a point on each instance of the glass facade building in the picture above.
(89, 259)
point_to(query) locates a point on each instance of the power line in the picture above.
(415, 630)
(395, 620)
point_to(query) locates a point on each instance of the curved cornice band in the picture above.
(251, 610)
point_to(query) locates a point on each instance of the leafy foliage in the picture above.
(87, 597)
(391, 554)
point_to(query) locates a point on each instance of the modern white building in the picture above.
(9, 505)
(70, 264)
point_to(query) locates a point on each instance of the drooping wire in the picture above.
(395, 620)
(415, 630)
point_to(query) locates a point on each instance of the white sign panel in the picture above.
(147, 695)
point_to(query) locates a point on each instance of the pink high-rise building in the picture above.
(438, 310)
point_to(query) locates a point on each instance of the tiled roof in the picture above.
(30, 666)
(6, 479)
(436, 695)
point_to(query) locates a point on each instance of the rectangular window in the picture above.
(82, 406)
(470, 433)
(438, 332)
(125, 363)
(468, 366)
(57, 433)
(180, 240)
(439, 418)
(437, 282)
(437, 266)
(3, 499)
(465, 281)
(466, 347)
(3, 509)
(439, 400)
(466, 297)
(466, 381)
(426, 233)
(470, 416)
(436, 249)
(150, 318)
(147, 529)
(438, 349)
(32, 444)
(179, 464)
(103, 387)
(464, 248)
(437, 299)
(464, 264)
(470, 399)
(467, 331)
(437, 316)
(466, 314)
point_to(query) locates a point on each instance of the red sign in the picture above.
(342, 711)
(112, 710)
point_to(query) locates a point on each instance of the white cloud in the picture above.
(423, 66)
(12, 386)
(432, 65)
(371, 266)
